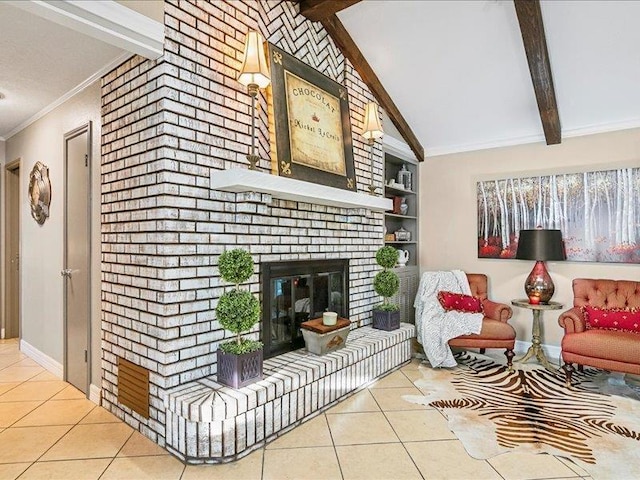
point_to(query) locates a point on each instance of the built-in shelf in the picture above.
(239, 180)
(398, 215)
(398, 156)
(399, 191)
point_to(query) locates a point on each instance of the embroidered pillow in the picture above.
(459, 302)
(625, 320)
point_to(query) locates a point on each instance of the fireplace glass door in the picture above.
(299, 295)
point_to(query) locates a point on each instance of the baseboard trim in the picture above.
(95, 394)
(42, 359)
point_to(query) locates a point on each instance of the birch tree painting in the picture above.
(597, 212)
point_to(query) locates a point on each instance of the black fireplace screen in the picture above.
(294, 292)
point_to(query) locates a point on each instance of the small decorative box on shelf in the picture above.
(321, 339)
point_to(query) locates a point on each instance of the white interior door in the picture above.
(76, 272)
(12, 238)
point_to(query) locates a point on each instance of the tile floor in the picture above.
(48, 430)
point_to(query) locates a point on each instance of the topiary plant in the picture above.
(386, 283)
(238, 310)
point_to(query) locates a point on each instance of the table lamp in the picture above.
(540, 245)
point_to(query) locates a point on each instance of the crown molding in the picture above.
(602, 128)
(74, 91)
(514, 141)
(105, 20)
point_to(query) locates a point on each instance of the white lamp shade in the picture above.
(372, 125)
(254, 69)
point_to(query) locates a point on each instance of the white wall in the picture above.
(154, 9)
(42, 245)
(2, 232)
(448, 215)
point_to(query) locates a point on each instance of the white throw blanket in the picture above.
(434, 325)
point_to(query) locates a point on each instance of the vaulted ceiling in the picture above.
(458, 73)
(456, 70)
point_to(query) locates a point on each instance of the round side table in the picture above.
(536, 349)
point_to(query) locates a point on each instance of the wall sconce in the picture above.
(255, 75)
(372, 130)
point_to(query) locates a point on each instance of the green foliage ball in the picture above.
(246, 346)
(238, 310)
(388, 307)
(236, 266)
(386, 283)
(387, 257)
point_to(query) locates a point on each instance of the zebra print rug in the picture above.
(494, 411)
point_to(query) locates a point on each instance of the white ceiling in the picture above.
(456, 69)
(40, 61)
(458, 72)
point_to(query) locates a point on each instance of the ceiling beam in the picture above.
(343, 40)
(535, 46)
(316, 10)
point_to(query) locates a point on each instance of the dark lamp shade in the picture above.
(540, 245)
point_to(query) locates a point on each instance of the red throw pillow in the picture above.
(459, 302)
(625, 320)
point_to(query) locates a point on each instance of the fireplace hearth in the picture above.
(297, 291)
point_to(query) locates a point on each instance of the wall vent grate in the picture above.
(133, 387)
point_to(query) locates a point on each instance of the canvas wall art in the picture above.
(598, 213)
(313, 139)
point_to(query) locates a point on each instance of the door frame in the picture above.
(87, 127)
(4, 304)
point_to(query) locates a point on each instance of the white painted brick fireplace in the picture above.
(168, 126)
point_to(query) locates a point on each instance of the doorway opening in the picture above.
(11, 327)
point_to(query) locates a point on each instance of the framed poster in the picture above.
(312, 125)
(598, 213)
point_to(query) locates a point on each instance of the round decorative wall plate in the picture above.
(39, 192)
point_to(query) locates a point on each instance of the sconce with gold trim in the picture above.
(372, 130)
(254, 74)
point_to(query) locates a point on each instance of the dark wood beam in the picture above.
(316, 10)
(343, 40)
(535, 45)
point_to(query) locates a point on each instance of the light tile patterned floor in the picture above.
(48, 430)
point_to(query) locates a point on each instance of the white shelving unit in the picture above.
(397, 155)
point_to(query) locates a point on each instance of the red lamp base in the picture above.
(538, 285)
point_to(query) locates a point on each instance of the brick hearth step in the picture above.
(210, 423)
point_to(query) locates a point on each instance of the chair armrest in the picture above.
(572, 321)
(496, 311)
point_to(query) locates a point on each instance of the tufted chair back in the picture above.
(606, 293)
(478, 284)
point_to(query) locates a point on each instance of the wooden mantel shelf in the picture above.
(240, 180)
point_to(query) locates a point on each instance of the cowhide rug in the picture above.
(494, 411)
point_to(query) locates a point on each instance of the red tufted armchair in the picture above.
(607, 349)
(496, 332)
